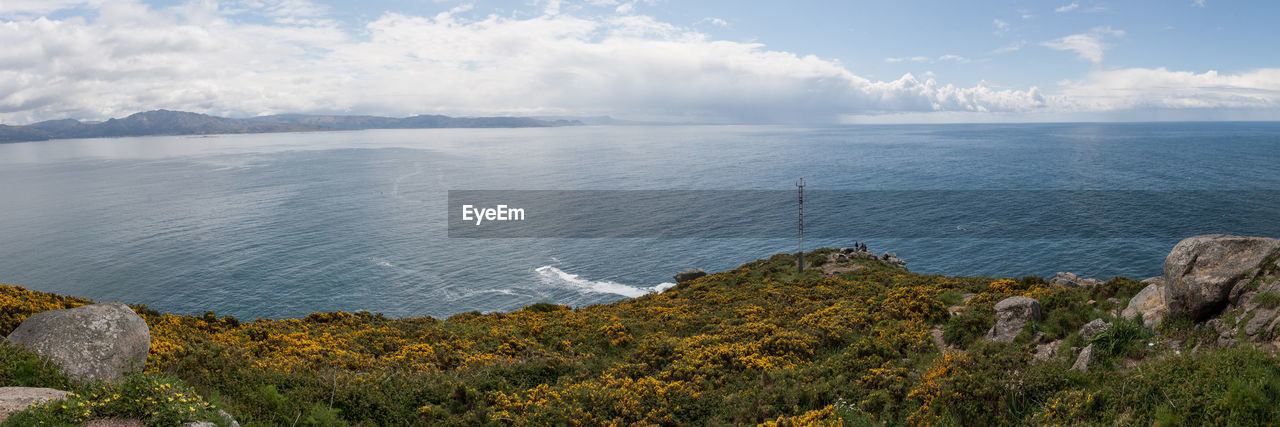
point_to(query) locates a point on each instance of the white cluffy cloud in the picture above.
(1088, 46)
(254, 57)
(201, 57)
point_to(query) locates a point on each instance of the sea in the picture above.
(283, 225)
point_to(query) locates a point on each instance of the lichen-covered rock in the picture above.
(689, 274)
(1012, 314)
(93, 342)
(1260, 317)
(1046, 351)
(1201, 271)
(1092, 328)
(1151, 303)
(1086, 358)
(14, 399)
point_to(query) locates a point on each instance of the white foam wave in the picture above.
(556, 277)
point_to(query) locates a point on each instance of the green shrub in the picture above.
(321, 415)
(973, 322)
(1118, 287)
(546, 307)
(155, 399)
(817, 260)
(20, 367)
(1123, 339)
(951, 298)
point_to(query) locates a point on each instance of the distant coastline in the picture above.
(166, 122)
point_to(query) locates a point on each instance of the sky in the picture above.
(702, 61)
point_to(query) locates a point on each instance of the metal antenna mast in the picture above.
(800, 190)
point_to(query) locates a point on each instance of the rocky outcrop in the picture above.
(1202, 271)
(893, 259)
(93, 342)
(1012, 314)
(14, 399)
(1072, 280)
(1150, 302)
(849, 254)
(689, 274)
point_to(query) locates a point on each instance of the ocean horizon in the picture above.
(282, 225)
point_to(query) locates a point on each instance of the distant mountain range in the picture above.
(165, 122)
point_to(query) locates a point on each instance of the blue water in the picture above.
(282, 225)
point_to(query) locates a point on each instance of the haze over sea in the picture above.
(282, 225)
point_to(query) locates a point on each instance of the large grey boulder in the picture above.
(689, 274)
(1012, 314)
(1201, 271)
(14, 399)
(93, 342)
(1151, 302)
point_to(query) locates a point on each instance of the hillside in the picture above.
(165, 122)
(851, 341)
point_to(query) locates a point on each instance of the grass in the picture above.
(1125, 338)
(761, 344)
(1267, 299)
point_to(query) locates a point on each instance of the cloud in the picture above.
(130, 57)
(40, 7)
(907, 59)
(250, 58)
(1013, 47)
(1198, 3)
(1088, 46)
(1075, 7)
(713, 21)
(922, 59)
(1001, 26)
(1159, 88)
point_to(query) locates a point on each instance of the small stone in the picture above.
(1085, 359)
(1046, 351)
(14, 399)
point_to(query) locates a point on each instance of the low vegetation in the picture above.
(758, 344)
